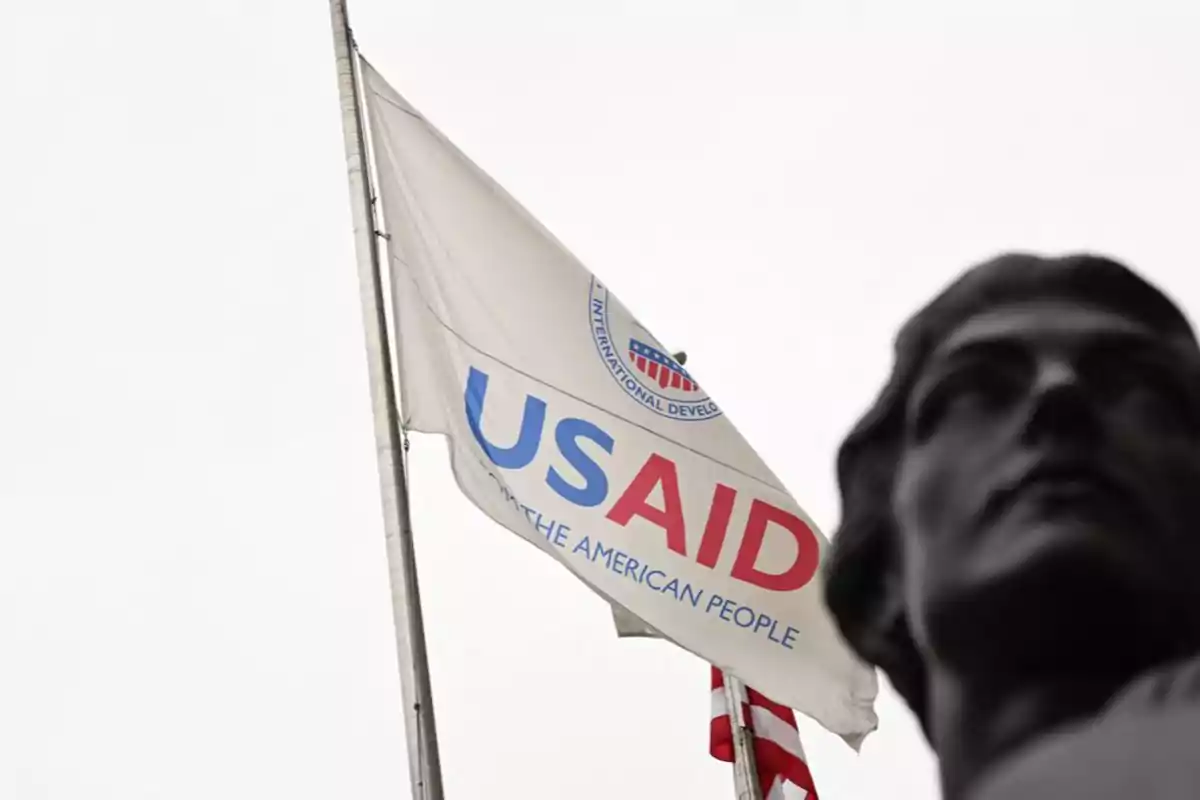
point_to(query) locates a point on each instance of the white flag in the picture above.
(570, 425)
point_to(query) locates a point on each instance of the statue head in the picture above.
(1024, 495)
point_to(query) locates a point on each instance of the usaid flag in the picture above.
(570, 425)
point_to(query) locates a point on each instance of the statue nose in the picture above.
(1060, 407)
(1056, 375)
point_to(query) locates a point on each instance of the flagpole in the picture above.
(745, 767)
(424, 764)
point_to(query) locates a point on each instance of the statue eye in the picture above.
(1153, 387)
(968, 390)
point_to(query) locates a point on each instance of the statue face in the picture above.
(1048, 499)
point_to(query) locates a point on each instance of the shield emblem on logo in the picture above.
(660, 367)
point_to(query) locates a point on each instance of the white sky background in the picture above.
(193, 593)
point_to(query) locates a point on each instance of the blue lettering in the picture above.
(651, 574)
(603, 552)
(713, 602)
(725, 609)
(618, 562)
(737, 619)
(533, 420)
(595, 482)
(789, 636)
(584, 544)
(632, 566)
(693, 595)
(560, 536)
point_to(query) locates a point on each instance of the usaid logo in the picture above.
(639, 364)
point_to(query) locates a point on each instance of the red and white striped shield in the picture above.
(660, 367)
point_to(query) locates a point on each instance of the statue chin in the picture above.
(1054, 600)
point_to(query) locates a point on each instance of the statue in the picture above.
(1020, 543)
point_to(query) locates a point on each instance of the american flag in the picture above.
(776, 741)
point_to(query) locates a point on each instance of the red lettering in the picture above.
(802, 569)
(657, 470)
(717, 526)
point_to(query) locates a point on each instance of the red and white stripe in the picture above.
(776, 741)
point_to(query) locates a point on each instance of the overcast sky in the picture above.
(193, 591)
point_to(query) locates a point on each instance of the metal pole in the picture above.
(745, 767)
(424, 764)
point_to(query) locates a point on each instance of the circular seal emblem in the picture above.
(640, 365)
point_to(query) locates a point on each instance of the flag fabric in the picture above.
(570, 425)
(777, 751)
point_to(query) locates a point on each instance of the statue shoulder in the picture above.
(1142, 745)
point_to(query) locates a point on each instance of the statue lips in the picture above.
(1057, 484)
